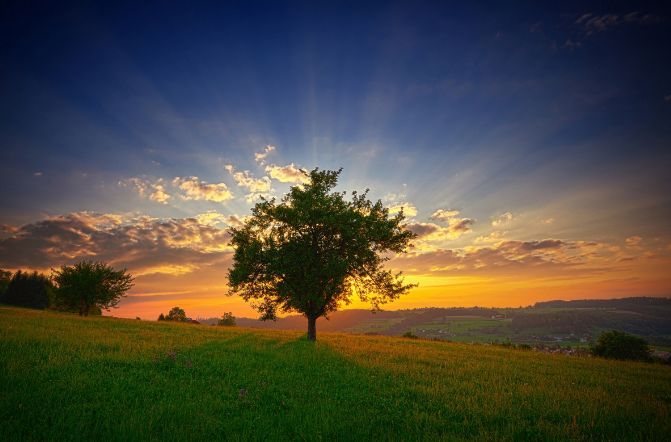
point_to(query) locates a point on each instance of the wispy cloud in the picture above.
(152, 190)
(260, 157)
(593, 23)
(257, 187)
(505, 256)
(503, 219)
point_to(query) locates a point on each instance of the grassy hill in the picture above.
(64, 377)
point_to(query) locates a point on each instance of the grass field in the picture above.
(68, 378)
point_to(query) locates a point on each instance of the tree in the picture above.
(227, 320)
(88, 286)
(26, 289)
(314, 250)
(161, 317)
(619, 345)
(176, 314)
(5, 277)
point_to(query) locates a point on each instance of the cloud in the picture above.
(154, 191)
(633, 241)
(502, 219)
(287, 174)
(456, 226)
(444, 215)
(260, 157)
(37, 174)
(141, 244)
(258, 187)
(503, 257)
(194, 189)
(592, 24)
(213, 218)
(409, 209)
(428, 233)
(494, 236)
(423, 229)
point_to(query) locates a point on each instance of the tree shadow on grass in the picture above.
(268, 386)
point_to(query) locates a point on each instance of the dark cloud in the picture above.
(141, 244)
(505, 256)
(422, 229)
(462, 225)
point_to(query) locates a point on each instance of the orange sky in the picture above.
(573, 247)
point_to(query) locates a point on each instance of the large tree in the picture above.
(312, 251)
(88, 286)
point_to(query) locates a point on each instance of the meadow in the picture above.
(63, 377)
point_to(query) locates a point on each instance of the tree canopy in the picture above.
(26, 289)
(88, 286)
(315, 249)
(227, 320)
(176, 314)
(619, 345)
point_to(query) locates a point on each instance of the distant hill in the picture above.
(549, 322)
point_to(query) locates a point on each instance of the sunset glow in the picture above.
(527, 173)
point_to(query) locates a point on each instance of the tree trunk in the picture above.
(312, 328)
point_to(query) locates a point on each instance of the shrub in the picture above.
(410, 335)
(619, 345)
(227, 320)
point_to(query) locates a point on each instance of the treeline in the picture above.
(640, 301)
(85, 288)
(178, 314)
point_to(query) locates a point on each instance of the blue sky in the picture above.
(554, 117)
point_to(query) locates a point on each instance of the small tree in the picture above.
(161, 317)
(176, 314)
(619, 345)
(314, 250)
(32, 290)
(88, 286)
(227, 320)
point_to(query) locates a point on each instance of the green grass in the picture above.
(68, 378)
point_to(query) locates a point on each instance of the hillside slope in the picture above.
(573, 323)
(64, 377)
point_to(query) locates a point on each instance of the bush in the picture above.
(227, 320)
(619, 345)
(410, 335)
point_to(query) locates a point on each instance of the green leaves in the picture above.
(313, 250)
(90, 285)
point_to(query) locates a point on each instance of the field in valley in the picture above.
(69, 378)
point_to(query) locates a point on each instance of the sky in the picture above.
(529, 144)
